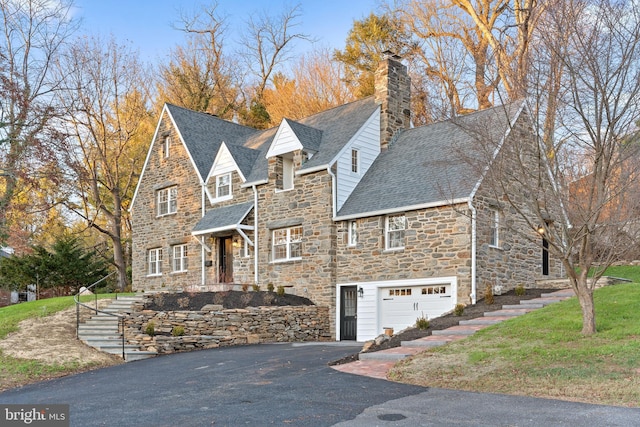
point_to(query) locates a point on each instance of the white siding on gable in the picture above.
(284, 142)
(224, 163)
(367, 142)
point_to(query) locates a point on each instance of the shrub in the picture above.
(422, 322)
(270, 287)
(255, 287)
(520, 291)
(177, 331)
(488, 295)
(280, 290)
(459, 310)
(150, 329)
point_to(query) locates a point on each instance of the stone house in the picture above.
(351, 207)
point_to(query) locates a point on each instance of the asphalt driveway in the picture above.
(285, 384)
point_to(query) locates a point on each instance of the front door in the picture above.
(348, 313)
(225, 261)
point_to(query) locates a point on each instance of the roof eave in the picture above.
(399, 209)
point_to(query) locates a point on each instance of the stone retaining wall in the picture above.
(214, 327)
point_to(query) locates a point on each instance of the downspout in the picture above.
(334, 193)
(203, 278)
(474, 236)
(255, 234)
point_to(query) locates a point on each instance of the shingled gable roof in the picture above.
(335, 126)
(430, 165)
(203, 134)
(309, 137)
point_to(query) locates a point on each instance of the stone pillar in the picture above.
(393, 93)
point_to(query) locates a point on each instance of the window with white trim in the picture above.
(353, 232)
(287, 244)
(167, 200)
(179, 260)
(394, 231)
(223, 186)
(166, 145)
(495, 228)
(154, 260)
(355, 161)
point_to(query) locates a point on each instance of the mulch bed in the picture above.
(449, 320)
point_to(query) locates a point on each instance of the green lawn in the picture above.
(15, 371)
(544, 354)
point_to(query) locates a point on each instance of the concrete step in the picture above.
(485, 320)
(508, 312)
(522, 305)
(132, 356)
(100, 327)
(460, 330)
(422, 342)
(396, 353)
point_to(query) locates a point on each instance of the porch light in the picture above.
(540, 229)
(237, 244)
(360, 292)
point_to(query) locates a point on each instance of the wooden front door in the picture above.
(225, 259)
(348, 313)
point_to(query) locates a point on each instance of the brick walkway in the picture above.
(377, 364)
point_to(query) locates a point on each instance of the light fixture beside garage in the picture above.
(360, 292)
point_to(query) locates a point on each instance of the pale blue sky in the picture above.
(147, 23)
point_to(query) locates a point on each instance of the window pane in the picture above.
(296, 250)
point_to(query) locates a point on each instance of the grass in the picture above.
(544, 354)
(14, 371)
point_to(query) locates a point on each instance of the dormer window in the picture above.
(223, 186)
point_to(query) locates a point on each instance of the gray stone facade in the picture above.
(438, 239)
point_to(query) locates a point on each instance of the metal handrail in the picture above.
(120, 317)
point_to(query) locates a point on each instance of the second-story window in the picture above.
(395, 227)
(167, 201)
(223, 186)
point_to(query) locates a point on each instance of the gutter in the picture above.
(203, 254)
(474, 238)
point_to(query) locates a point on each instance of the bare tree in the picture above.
(33, 33)
(588, 218)
(109, 127)
(268, 43)
(199, 76)
(471, 49)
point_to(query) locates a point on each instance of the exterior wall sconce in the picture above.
(360, 292)
(237, 244)
(540, 229)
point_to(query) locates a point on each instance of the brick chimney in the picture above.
(393, 93)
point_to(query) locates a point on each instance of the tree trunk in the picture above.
(585, 297)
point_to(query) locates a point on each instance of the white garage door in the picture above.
(401, 306)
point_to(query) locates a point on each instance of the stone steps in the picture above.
(464, 329)
(102, 331)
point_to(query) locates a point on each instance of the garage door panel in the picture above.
(401, 306)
